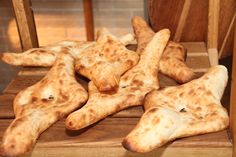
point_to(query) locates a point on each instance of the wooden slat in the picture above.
(213, 56)
(198, 62)
(233, 96)
(25, 23)
(195, 47)
(6, 109)
(213, 23)
(227, 36)
(182, 20)
(227, 11)
(88, 17)
(120, 152)
(197, 56)
(21, 82)
(109, 133)
(213, 29)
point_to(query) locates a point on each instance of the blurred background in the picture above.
(63, 19)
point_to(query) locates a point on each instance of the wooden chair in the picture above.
(26, 25)
(28, 36)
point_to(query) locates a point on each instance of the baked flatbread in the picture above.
(173, 59)
(37, 107)
(125, 39)
(43, 56)
(105, 62)
(174, 112)
(133, 87)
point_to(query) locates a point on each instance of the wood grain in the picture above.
(120, 152)
(6, 108)
(25, 23)
(233, 96)
(213, 56)
(195, 47)
(182, 20)
(227, 39)
(195, 28)
(88, 17)
(110, 132)
(196, 23)
(227, 11)
(213, 23)
(21, 82)
(159, 11)
(106, 136)
(198, 62)
(213, 31)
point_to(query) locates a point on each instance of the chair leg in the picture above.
(25, 23)
(88, 16)
(232, 96)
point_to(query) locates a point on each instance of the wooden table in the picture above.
(104, 138)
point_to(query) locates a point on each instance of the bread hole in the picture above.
(124, 86)
(183, 110)
(51, 97)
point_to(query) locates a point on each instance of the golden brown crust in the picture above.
(43, 56)
(174, 112)
(174, 53)
(104, 62)
(133, 87)
(39, 106)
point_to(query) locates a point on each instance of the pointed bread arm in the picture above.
(43, 56)
(37, 107)
(172, 63)
(174, 112)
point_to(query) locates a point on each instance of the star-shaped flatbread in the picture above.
(37, 107)
(174, 112)
(105, 62)
(133, 87)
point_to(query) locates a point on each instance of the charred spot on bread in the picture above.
(34, 99)
(155, 120)
(127, 145)
(51, 97)
(183, 110)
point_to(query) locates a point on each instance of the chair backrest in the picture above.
(210, 21)
(26, 24)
